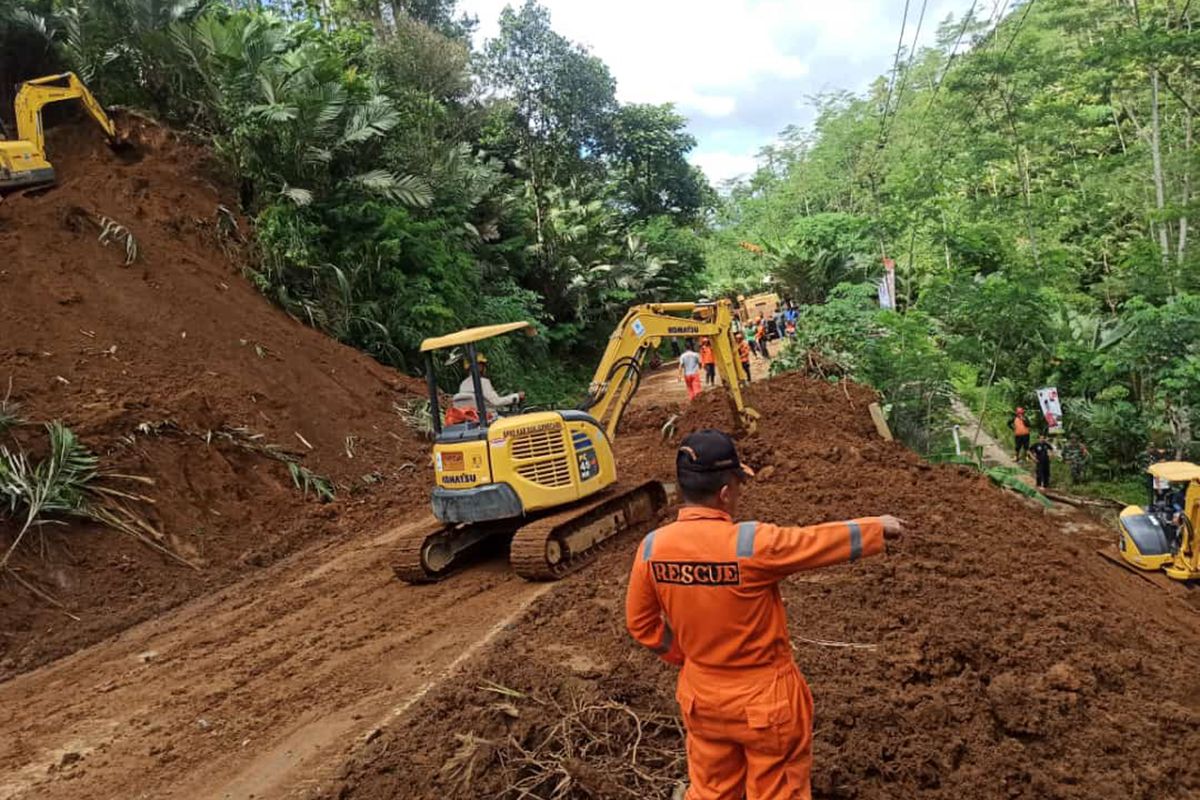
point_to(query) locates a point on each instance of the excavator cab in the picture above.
(23, 162)
(550, 477)
(1162, 534)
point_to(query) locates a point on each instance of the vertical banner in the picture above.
(889, 272)
(1051, 408)
(887, 285)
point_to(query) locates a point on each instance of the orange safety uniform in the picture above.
(744, 356)
(704, 594)
(1020, 426)
(706, 355)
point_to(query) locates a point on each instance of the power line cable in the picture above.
(887, 103)
(912, 52)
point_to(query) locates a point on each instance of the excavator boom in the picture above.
(23, 161)
(619, 373)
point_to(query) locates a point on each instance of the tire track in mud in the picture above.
(255, 689)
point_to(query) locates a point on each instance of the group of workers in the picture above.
(693, 363)
(1074, 451)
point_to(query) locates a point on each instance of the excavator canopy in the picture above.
(472, 335)
(1175, 471)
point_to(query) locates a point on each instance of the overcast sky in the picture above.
(740, 70)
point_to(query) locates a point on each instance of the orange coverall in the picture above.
(704, 594)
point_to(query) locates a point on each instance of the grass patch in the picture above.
(10, 411)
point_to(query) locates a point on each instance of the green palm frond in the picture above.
(372, 119)
(297, 195)
(407, 189)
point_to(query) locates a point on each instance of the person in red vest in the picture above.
(1020, 428)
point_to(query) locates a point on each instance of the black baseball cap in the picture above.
(710, 451)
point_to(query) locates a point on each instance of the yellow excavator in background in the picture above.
(1162, 535)
(23, 160)
(549, 478)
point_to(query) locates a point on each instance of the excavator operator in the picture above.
(464, 408)
(704, 596)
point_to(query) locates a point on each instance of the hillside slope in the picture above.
(173, 367)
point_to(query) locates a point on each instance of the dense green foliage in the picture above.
(1034, 180)
(1032, 177)
(403, 185)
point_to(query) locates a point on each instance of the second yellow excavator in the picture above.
(549, 478)
(23, 162)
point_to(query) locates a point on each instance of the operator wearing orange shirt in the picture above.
(704, 595)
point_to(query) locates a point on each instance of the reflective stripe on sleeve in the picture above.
(745, 539)
(648, 545)
(855, 540)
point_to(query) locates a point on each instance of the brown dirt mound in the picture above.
(1003, 659)
(176, 368)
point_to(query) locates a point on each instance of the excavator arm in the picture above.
(36, 93)
(618, 375)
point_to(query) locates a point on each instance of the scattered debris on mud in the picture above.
(990, 655)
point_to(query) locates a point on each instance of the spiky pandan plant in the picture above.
(68, 482)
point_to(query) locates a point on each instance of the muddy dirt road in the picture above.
(255, 691)
(264, 688)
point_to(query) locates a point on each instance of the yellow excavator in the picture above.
(23, 161)
(549, 478)
(1162, 535)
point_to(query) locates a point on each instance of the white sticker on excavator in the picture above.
(639, 328)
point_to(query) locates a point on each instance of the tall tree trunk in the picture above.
(1181, 247)
(1160, 198)
(986, 392)
(945, 239)
(1023, 171)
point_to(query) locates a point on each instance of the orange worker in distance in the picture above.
(709, 361)
(744, 354)
(704, 595)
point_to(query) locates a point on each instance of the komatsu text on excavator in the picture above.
(23, 161)
(549, 478)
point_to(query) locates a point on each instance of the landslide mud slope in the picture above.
(991, 655)
(173, 367)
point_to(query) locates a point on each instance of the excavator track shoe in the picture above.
(554, 546)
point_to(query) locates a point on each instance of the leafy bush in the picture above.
(897, 354)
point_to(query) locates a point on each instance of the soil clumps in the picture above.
(991, 654)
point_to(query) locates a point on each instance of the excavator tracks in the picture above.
(544, 549)
(554, 546)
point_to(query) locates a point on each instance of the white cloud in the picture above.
(744, 65)
(721, 166)
(672, 50)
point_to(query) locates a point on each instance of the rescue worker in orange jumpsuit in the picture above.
(704, 595)
(744, 354)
